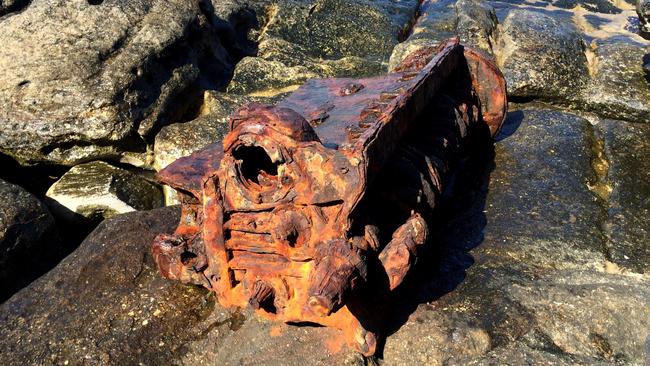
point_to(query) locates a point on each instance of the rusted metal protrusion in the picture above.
(310, 203)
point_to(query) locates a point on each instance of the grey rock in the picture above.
(541, 56)
(257, 75)
(95, 191)
(473, 21)
(29, 239)
(476, 24)
(643, 10)
(625, 182)
(107, 304)
(619, 87)
(318, 38)
(95, 77)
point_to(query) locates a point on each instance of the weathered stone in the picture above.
(643, 10)
(318, 38)
(476, 24)
(474, 21)
(541, 56)
(619, 88)
(29, 240)
(92, 74)
(625, 177)
(95, 191)
(526, 260)
(254, 74)
(107, 304)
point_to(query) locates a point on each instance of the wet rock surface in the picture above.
(541, 56)
(625, 177)
(29, 239)
(643, 11)
(618, 87)
(322, 38)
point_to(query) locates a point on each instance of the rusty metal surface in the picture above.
(310, 205)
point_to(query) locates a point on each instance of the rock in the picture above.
(619, 88)
(95, 191)
(522, 271)
(29, 239)
(474, 21)
(643, 10)
(318, 38)
(107, 304)
(625, 177)
(95, 77)
(541, 56)
(256, 75)
(476, 24)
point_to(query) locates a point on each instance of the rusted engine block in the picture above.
(310, 205)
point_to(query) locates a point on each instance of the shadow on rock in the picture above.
(457, 229)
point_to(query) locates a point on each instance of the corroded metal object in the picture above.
(314, 209)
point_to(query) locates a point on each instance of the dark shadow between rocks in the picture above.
(645, 64)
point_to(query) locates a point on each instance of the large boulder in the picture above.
(541, 56)
(625, 180)
(29, 239)
(89, 79)
(643, 11)
(619, 87)
(473, 21)
(317, 38)
(107, 304)
(91, 192)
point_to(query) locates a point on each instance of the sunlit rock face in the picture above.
(84, 80)
(91, 192)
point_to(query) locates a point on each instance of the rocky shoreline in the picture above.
(543, 253)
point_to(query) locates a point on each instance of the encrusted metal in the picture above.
(313, 209)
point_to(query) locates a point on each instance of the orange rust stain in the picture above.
(276, 331)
